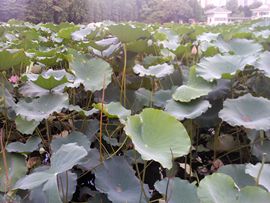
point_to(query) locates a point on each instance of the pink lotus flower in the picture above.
(194, 50)
(14, 79)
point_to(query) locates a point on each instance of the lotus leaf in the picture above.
(41, 108)
(92, 73)
(248, 111)
(195, 88)
(158, 136)
(30, 145)
(12, 57)
(120, 187)
(177, 190)
(189, 110)
(264, 177)
(219, 66)
(264, 64)
(132, 33)
(61, 161)
(24, 126)
(16, 170)
(158, 71)
(114, 110)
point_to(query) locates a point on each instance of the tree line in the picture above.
(85, 11)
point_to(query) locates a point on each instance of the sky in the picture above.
(223, 2)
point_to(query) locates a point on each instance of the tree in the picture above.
(232, 5)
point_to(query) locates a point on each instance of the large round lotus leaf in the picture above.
(158, 71)
(41, 108)
(251, 194)
(117, 179)
(50, 79)
(264, 178)
(16, 169)
(248, 111)
(217, 188)
(177, 190)
(237, 172)
(219, 66)
(11, 57)
(158, 136)
(264, 64)
(195, 88)
(25, 126)
(30, 145)
(92, 73)
(189, 110)
(128, 33)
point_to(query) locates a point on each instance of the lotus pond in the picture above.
(134, 113)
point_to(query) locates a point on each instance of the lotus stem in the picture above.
(260, 171)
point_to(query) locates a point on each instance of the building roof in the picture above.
(264, 7)
(218, 10)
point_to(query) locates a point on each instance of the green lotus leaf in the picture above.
(50, 79)
(92, 73)
(41, 108)
(138, 46)
(81, 111)
(237, 172)
(120, 187)
(158, 136)
(30, 145)
(159, 98)
(16, 169)
(177, 190)
(88, 127)
(82, 33)
(248, 111)
(66, 32)
(132, 33)
(114, 110)
(195, 88)
(73, 137)
(252, 194)
(158, 71)
(25, 126)
(61, 161)
(244, 47)
(219, 66)
(264, 171)
(263, 64)
(12, 57)
(217, 188)
(189, 110)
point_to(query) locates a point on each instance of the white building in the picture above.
(262, 12)
(217, 16)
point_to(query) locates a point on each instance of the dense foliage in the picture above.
(134, 112)
(79, 11)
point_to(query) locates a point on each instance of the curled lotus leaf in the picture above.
(50, 79)
(248, 111)
(189, 110)
(158, 136)
(158, 71)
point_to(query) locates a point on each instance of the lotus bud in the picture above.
(194, 50)
(42, 150)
